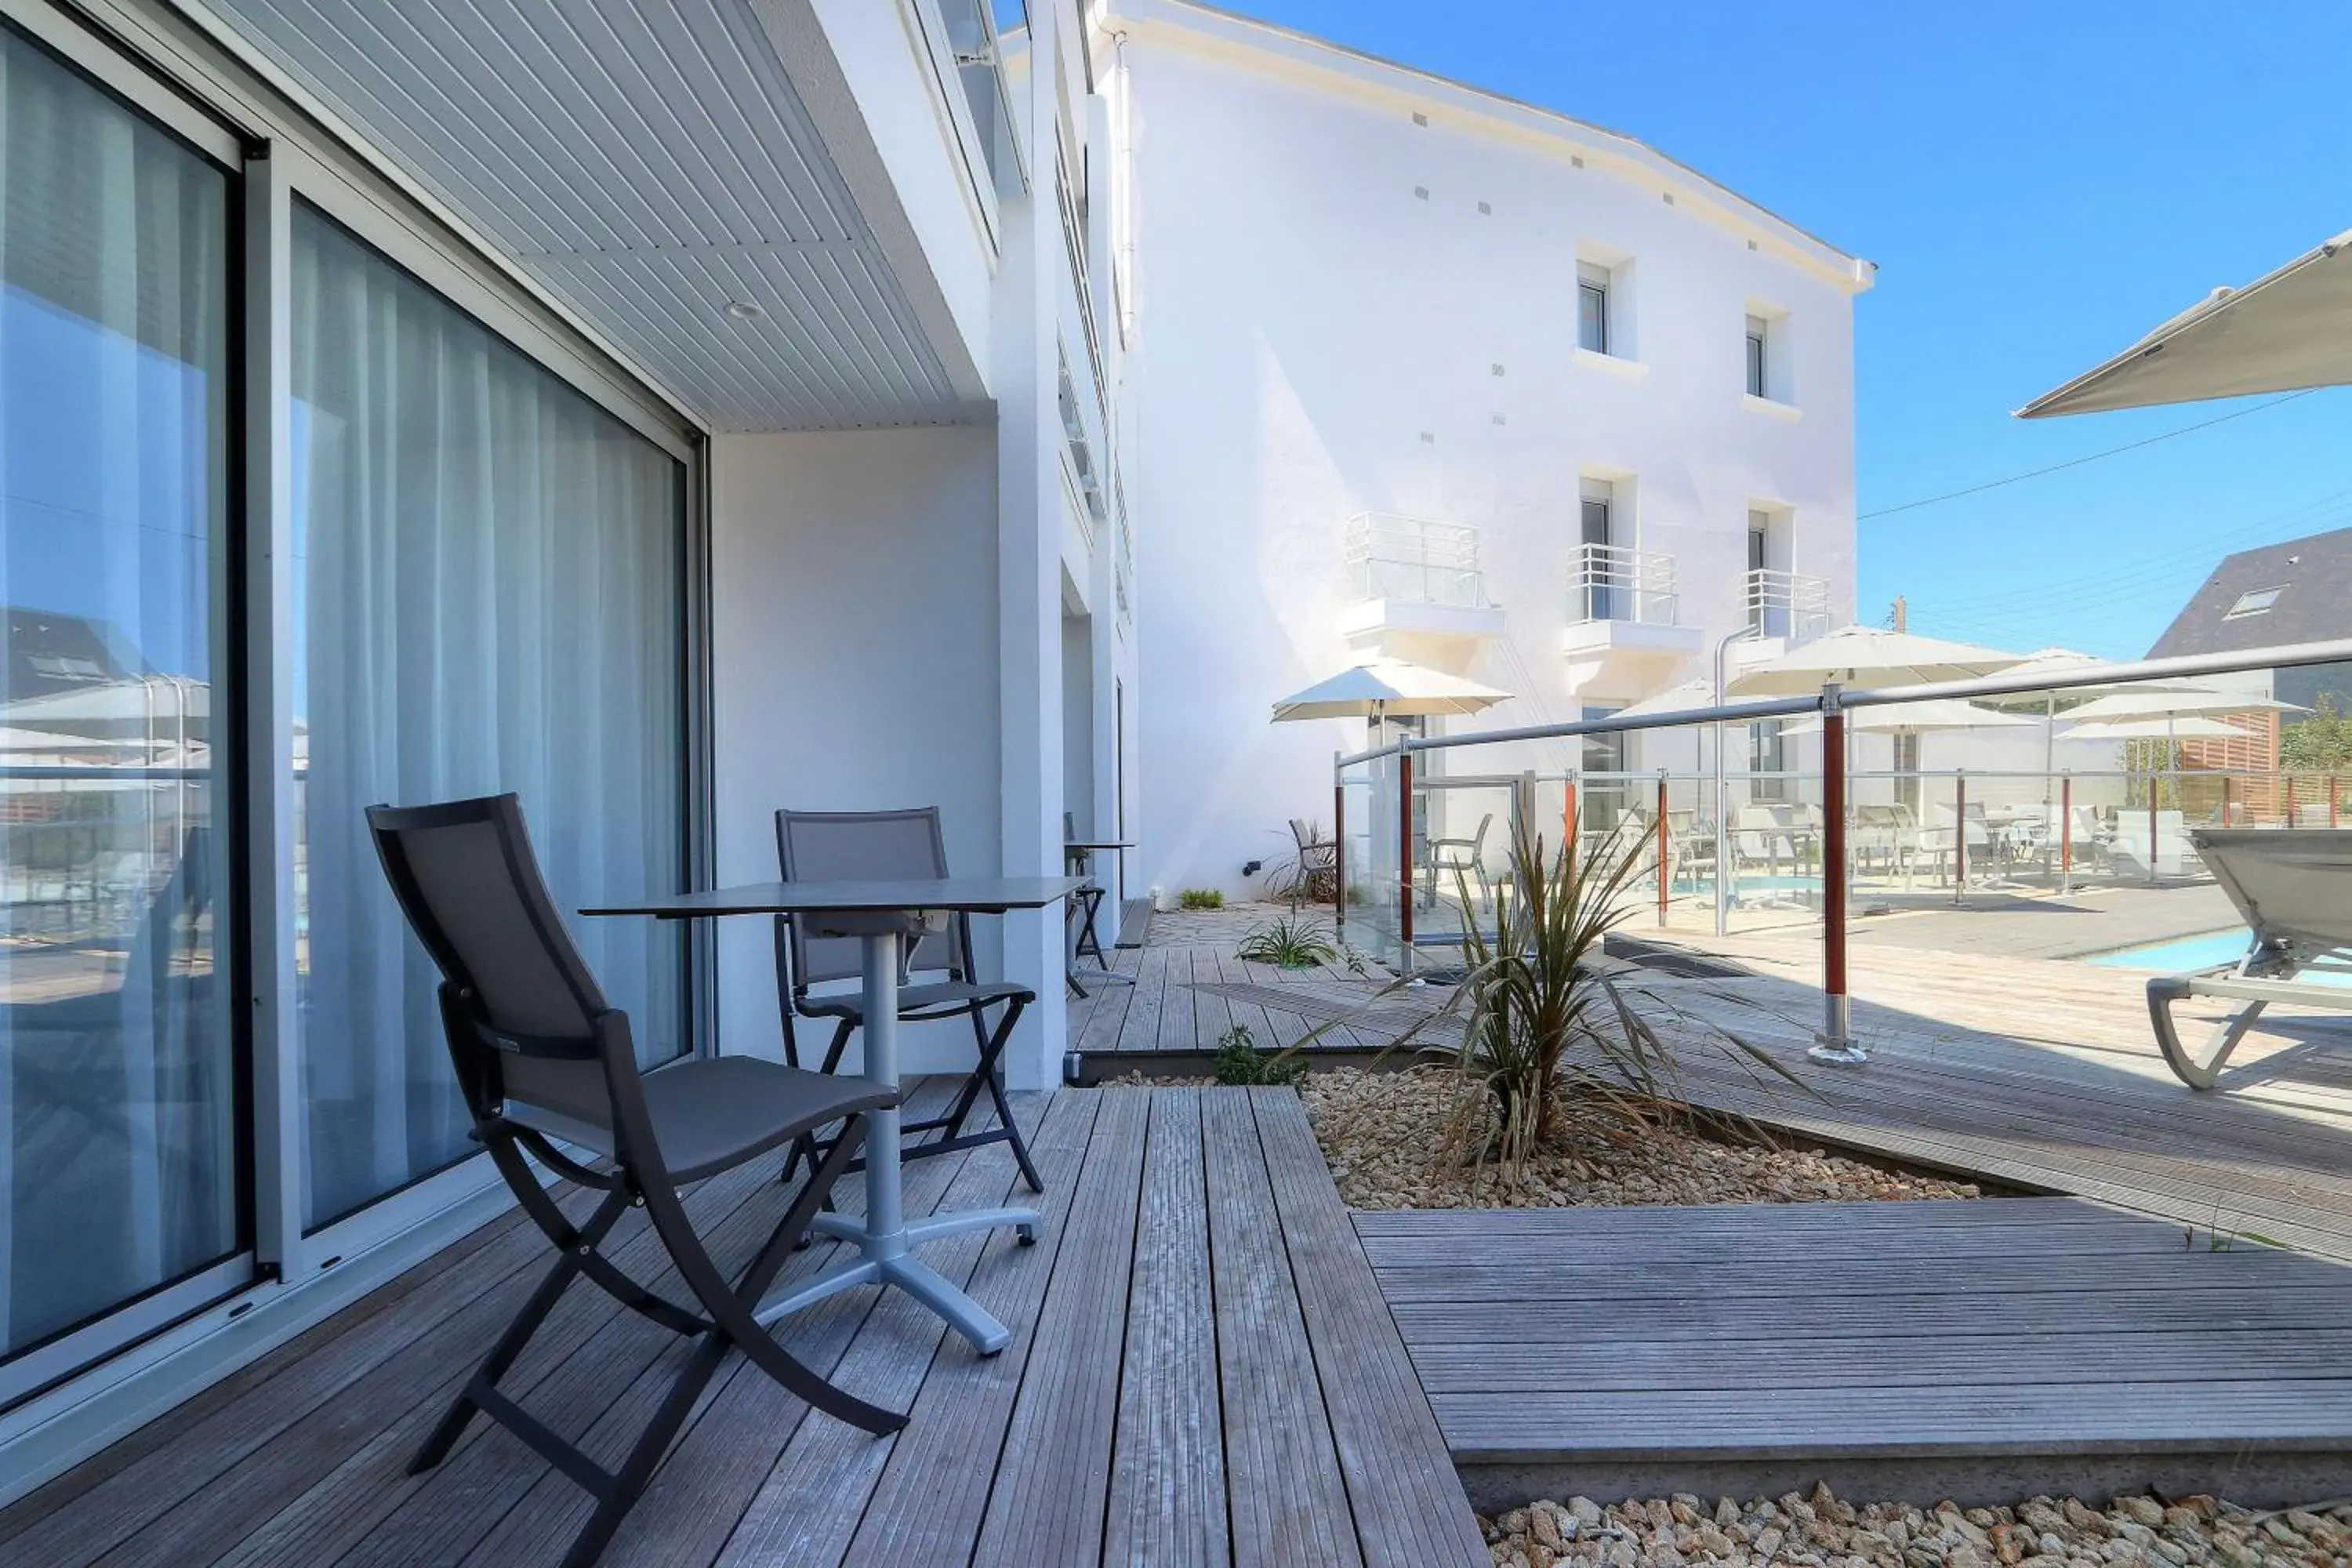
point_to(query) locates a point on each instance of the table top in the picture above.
(1101, 844)
(961, 895)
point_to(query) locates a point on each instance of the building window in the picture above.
(2253, 603)
(1605, 785)
(1757, 334)
(1591, 308)
(1598, 565)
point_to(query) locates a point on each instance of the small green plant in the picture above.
(1545, 1026)
(1240, 1062)
(1201, 899)
(1287, 944)
(1353, 957)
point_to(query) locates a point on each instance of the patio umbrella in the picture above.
(1387, 688)
(2279, 333)
(2162, 702)
(1866, 656)
(2188, 729)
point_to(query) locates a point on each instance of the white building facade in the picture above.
(1424, 372)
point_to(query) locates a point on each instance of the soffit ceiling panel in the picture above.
(648, 162)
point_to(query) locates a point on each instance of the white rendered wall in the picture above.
(853, 667)
(1314, 340)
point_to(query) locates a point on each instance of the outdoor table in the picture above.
(1078, 855)
(878, 914)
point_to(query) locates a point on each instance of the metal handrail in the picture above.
(1835, 1043)
(1803, 601)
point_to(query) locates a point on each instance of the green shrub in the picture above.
(1287, 944)
(1239, 1060)
(1203, 898)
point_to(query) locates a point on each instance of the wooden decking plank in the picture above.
(1134, 922)
(150, 1489)
(1990, 1419)
(1212, 1016)
(1138, 1027)
(1106, 1017)
(931, 1493)
(1475, 1276)
(2061, 1311)
(1830, 1359)
(808, 1491)
(1168, 1476)
(437, 1271)
(1408, 1504)
(1702, 1227)
(1052, 1475)
(1178, 1025)
(1290, 1499)
(2023, 1238)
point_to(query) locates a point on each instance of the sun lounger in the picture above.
(2293, 886)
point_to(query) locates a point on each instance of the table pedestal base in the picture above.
(885, 1260)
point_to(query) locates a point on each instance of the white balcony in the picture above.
(1417, 577)
(1624, 613)
(1787, 605)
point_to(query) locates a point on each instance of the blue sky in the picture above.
(2040, 184)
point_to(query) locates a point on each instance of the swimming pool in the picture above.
(2206, 951)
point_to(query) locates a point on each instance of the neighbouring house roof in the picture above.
(2314, 601)
(1336, 65)
(2298, 592)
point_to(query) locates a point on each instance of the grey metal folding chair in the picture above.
(539, 1057)
(883, 845)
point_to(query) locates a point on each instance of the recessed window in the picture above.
(1591, 308)
(2253, 603)
(1756, 341)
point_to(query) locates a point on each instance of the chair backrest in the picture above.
(2293, 885)
(465, 875)
(862, 847)
(1302, 833)
(1478, 839)
(1069, 828)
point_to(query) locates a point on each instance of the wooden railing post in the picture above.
(2066, 834)
(1836, 1044)
(1404, 856)
(1339, 857)
(1664, 859)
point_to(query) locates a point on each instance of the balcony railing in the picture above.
(1787, 604)
(1415, 560)
(1615, 582)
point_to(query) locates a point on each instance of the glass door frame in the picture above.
(68, 1396)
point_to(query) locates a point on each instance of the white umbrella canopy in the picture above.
(1388, 688)
(1687, 697)
(2188, 729)
(1868, 656)
(1919, 718)
(2160, 703)
(2282, 333)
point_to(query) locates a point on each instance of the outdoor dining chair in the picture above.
(1450, 860)
(542, 1058)
(891, 846)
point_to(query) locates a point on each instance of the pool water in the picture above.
(2210, 951)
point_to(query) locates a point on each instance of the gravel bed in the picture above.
(1381, 1132)
(1825, 1531)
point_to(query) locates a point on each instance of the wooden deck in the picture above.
(1201, 1373)
(2000, 1347)
(2036, 1074)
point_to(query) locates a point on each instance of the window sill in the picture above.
(1631, 369)
(1756, 405)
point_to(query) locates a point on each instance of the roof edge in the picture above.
(1194, 22)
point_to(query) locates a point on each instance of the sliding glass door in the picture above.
(290, 525)
(120, 1148)
(489, 589)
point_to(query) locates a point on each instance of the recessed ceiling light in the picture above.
(744, 310)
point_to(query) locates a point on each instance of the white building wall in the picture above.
(854, 633)
(1338, 309)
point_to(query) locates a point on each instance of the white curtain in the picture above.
(490, 586)
(117, 1159)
